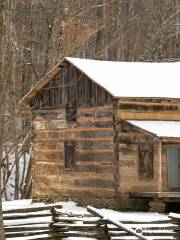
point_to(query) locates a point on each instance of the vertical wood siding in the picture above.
(70, 86)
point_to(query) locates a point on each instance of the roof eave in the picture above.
(144, 130)
(33, 91)
(170, 139)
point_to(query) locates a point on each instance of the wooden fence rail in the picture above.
(29, 221)
(101, 227)
(52, 222)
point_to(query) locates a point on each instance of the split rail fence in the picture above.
(51, 222)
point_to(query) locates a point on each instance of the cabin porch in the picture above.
(163, 196)
(159, 201)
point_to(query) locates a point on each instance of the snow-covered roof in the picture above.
(160, 128)
(122, 79)
(133, 79)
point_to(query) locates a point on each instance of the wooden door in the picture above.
(174, 167)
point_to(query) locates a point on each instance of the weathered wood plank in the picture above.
(94, 156)
(120, 225)
(127, 115)
(32, 209)
(98, 124)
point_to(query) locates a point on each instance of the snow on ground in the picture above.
(15, 204)
(119, 215)
(71, 207)
(135, 216)
(23, 163)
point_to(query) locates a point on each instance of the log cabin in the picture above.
(106, 133)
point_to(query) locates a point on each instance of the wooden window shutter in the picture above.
(69, 154)
(146, 161)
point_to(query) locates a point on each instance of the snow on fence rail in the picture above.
(89, 226)
(39, 221)
(28, 221)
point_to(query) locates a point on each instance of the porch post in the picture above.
(160, 168)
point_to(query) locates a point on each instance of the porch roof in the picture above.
(159, 128)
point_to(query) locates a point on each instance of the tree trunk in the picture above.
(2, 236)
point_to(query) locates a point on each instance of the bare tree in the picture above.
(2, 87)
(1, 157)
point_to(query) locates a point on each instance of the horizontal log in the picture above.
(26, 234)
(95, 156)
(133, 136)
(150, 101)
(54, 142)
(72, 222)
(49, 151)
(29, 209)
(126, 163)
(65, 220)
(128, 149)
(49, 115)
(98, 124)
(134, 140)
(73, 134)
(57, 130)
(48, 155)
(84, 193)
(40, 237)
(26, 228)
(18, 216)
(47, 145)
(48, 135)
(127, 115)
(118, 224)
(94, 119)
(48, 170)
(96, 114)
(144, 107)
(51, 110)
(56, 170)
(79, 235)
(95, 181)
(96, 109)
(31, 222)
(49, 124)
(128, 157)
(95, 145)
(95, 169)
(98, 133)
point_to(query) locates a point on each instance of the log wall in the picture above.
(93, 175)
(130, 139)
(148, 109)
(145, 109)
(107, 149)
